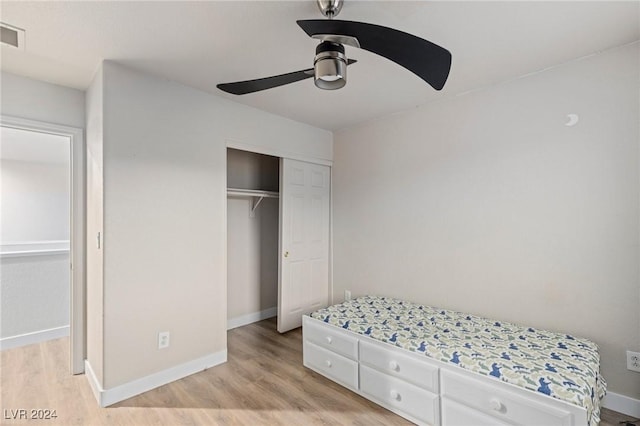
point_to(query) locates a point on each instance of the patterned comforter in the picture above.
(559, 365)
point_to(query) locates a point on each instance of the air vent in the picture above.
(11, 36)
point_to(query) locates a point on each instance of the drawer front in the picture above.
(498, 401)
(330, 364)
(403, 396)
(417, 371)
(330, 337)
(454, 414)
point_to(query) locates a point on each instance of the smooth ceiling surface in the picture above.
(201, 44)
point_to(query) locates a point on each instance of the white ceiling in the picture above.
(25, 145)
(201, 44)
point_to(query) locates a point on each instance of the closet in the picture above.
(278, 229)
(252, 236)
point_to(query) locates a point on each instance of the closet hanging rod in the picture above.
(256, 196)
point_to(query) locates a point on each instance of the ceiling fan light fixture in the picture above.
(427, 60)
(330, 66)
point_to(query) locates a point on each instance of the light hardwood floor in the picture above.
(263, 383)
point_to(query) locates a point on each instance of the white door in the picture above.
(303, 284)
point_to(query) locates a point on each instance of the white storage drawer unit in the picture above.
(500, 402)
(400, 395)
(402, 365)
(424, 390)
(331, 338)
(335, 366)
(454, 414)
(386, 375)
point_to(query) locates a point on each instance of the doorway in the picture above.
(278, 212)
(252, 237)
(74, 162)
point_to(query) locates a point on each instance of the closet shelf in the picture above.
(256, 195)
(236, 192)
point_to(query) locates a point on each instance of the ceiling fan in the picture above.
(427, 60)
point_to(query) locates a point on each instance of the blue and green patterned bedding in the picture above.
(559, 365)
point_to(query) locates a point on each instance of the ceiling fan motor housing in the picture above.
(330, 66)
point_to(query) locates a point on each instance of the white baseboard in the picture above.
(111, 396)
(622, 404)
(251, 318)
(93, 382)
(35, 337)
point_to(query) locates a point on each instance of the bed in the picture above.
(441, 367)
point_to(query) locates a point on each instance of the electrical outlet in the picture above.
(163, 339)
(633, 361)
(347, 295)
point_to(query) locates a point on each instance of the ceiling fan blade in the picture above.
(427, 60)
(251, 86)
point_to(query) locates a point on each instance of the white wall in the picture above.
(40, 101)
(487, 203)
(35, 201)
(164, 217)
(34, 208)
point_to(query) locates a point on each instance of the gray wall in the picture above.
(35, 201)
(487, 203)
(35, 294)
(37, 100)
(164, 185)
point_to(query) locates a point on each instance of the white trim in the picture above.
(29, 253)
(34, 337)
(93, 382)
(331, 292)
(34, 248)
(106, 397)
(622, 404)
(225, 238)
(77, 227)
(276, 152)
(251, 318)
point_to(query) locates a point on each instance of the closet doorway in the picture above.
(252, 236)
(278, 229)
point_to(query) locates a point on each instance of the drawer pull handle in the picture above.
(394, 395)
(394, 366)
(495, 404)
(329, 340)
(328, 363)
